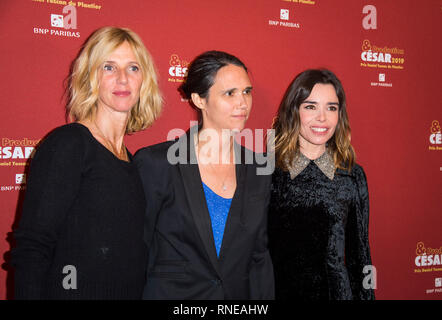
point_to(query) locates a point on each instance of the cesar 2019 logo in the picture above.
(436, 135)
(178, 67)
(427, 256)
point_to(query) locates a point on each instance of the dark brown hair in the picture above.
(202, 72)
(287, 122)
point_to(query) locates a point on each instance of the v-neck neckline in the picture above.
(103, 147)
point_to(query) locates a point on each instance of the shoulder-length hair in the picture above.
(287, 123)
(84, 83)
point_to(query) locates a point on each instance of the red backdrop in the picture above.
(387, 54)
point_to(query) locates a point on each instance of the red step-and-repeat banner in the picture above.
(387, 54)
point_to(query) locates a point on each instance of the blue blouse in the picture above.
(219, 210)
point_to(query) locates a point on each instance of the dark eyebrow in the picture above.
(233, 89)
(314, 102)
(308, 101)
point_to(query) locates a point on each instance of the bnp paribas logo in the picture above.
(284, 14)
(285, 19)
(62, 24)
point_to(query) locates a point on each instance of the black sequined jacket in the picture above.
(318, 235)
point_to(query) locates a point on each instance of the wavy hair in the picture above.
(287, 123)
(83, 88)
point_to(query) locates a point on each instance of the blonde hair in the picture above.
(83, 89)
(287, 123)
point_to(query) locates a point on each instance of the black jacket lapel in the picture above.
(197, 202)
(236, 208)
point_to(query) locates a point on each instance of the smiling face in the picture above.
(319, 115)
(120, 79)
(229, 101)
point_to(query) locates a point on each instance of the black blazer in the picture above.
(183, 263)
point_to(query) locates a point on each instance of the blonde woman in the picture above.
(318, 216)
(80, 234)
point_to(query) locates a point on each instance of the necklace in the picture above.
(122, 154)
(223, 181)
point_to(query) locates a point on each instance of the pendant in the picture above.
(224, 187)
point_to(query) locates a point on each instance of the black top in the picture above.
(318, 233)
(83, 208)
